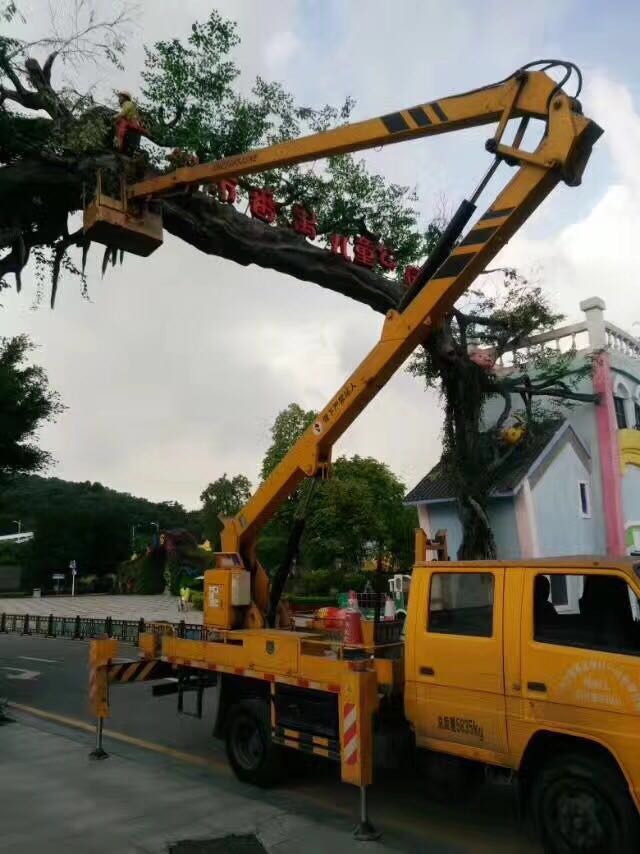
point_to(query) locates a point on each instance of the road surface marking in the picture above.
(22, 674)
(43, 660)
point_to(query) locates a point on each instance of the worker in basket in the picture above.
(129, 128)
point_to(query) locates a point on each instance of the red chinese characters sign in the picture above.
(362, 250)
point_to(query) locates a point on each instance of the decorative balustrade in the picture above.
(619, 341)
(572, 337)
(563, 339)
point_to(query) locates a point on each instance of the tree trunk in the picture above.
(478, 542)
(219, 229)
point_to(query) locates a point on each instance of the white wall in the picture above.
(561, 528)
(501, 516)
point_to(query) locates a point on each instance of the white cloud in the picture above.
(599, 253)
(279, 50)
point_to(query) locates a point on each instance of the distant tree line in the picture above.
(358, 515)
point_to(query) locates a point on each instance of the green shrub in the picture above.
(197, 600)
(145, 573)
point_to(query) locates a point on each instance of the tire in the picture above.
(581, 804)
(250, 750)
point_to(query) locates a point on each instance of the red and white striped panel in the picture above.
(351, 740)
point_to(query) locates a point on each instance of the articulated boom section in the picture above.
(561, 155)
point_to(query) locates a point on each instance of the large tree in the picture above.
(26, 403)
(357, 513)
(462, 359)
(225, 496)
(53, 140)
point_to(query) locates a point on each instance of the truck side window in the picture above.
(601, 613)
(461, 603)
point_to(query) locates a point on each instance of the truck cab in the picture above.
(534, 667)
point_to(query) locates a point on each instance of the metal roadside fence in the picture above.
(80, 628)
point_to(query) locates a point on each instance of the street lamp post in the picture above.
(18, 522)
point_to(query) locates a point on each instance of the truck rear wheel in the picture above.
(252, 754)
(580, 803)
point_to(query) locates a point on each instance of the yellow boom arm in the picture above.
(525, 94)
(561, 155)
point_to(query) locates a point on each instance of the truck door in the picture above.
(581, 657)
(457, 662)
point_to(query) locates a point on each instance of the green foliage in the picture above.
(26, 403)
(13, 553)
(359, 514)
(144, 575)
(329, 582)
(197, 599)
(287, 428)
(86, 522)
(191, 101)
(289, 425)
(225, 496)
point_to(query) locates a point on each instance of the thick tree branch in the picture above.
(218, 229)
(478, 320)
(14, 262)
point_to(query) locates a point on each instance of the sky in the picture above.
(175, 367)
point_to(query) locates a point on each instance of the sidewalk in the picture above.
(130, 607)
(54, 800)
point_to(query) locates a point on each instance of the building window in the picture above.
(636, 412)
(461, 604)
(585, 499)
(621, 415)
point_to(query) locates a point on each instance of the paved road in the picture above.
(55, 681)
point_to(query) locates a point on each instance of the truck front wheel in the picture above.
(580, 803)
(250, 750)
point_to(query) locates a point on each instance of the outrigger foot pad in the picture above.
(98, 753)
(366, 832)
